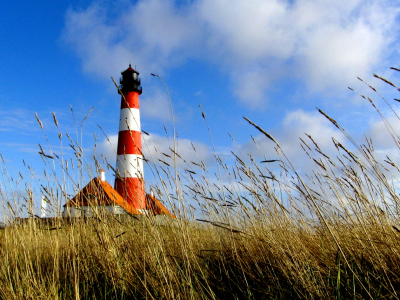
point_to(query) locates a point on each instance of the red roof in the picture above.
(154, 205)
(130, 70)
(98, 192)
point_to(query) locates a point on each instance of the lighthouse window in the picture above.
(134, 76)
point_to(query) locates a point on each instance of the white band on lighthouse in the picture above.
(129, 116)
(130, 165)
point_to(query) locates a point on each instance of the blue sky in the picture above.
(272, 61)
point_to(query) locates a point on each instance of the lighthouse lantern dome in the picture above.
(130, 81)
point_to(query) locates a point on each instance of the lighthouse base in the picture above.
(132, 191)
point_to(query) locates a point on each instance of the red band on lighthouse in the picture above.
(129, 142)
(129, 182)
(130, 99)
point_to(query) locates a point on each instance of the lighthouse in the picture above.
(129, 181)
(128, 195)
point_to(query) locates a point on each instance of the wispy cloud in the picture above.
(18, 120)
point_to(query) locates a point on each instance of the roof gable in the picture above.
(155, 206)
(98, 192)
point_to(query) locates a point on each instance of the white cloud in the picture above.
(152, 34)
(298, 123)
(379, 132)
(257, 42)
(250, 86)
(294, 126)
(107, 148)
(249, 30)
(335, 55)
(156, 105)
(161, 28)
(94, 39)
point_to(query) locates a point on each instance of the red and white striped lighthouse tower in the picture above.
(129, 182)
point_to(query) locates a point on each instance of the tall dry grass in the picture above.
(260, 233)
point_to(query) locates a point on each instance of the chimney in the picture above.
(103, 175)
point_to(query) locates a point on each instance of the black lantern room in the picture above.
(130, 81)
